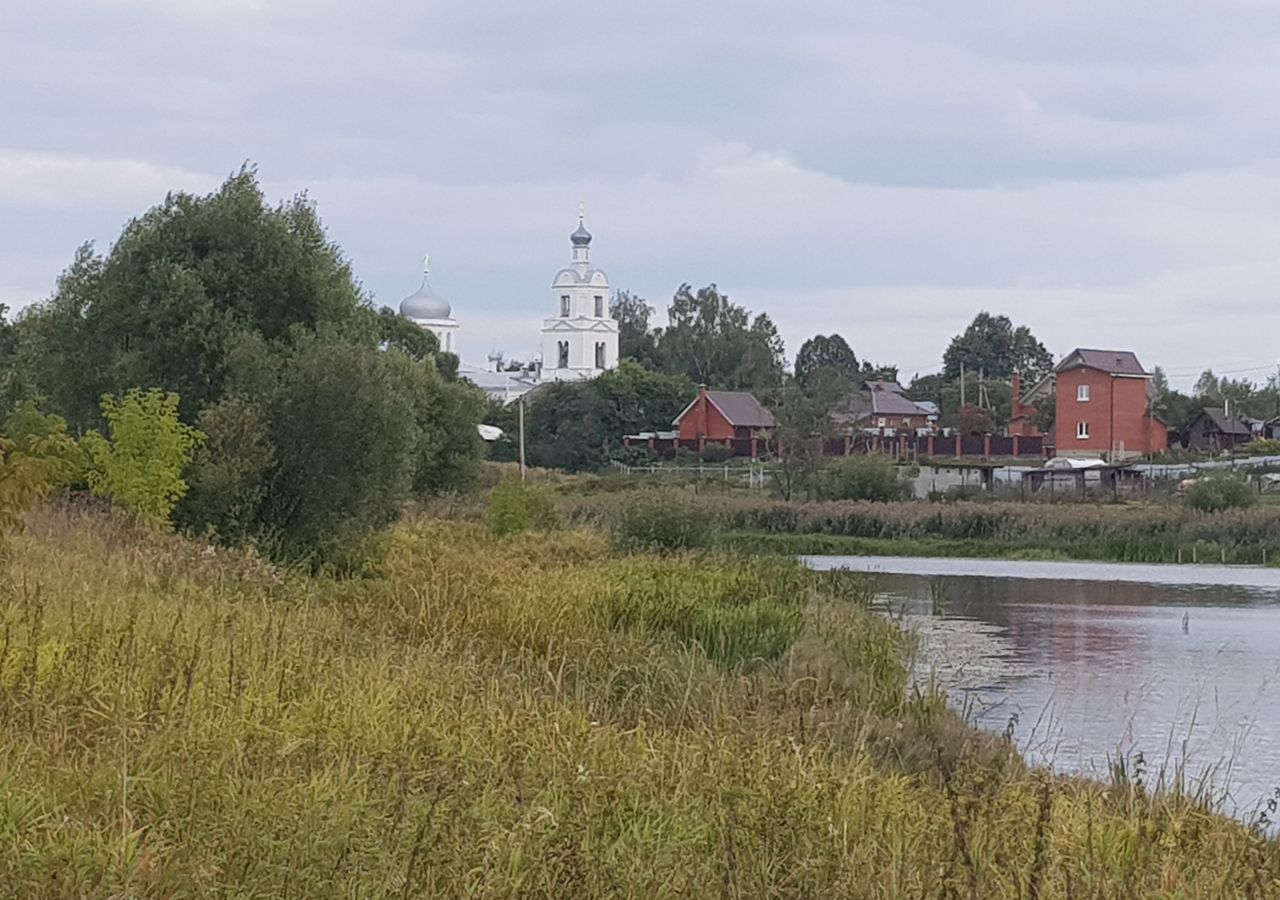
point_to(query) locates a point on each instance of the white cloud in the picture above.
(1100, 172)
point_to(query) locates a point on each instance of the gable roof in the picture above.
(740, 409)
(1224, 425)
(1115, 362)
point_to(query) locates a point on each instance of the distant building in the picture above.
(427, 309)
(1214, 429)
(1021, 413)
(724, 417)
(580, 340)
(1105, 406)
(884, 408)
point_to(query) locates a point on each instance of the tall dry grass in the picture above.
(529, 716)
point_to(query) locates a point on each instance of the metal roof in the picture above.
(1116, 362)
(740, 409)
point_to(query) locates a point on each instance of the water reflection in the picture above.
(1088, 668)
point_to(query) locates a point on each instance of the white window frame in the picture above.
(1082, 431)
(600, 355)
(1082, 393)
(564, 306)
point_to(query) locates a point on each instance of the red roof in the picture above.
(1116, 362)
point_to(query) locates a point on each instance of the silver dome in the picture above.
(425, 303)
(581, 237)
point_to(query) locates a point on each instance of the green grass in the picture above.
(528, 716)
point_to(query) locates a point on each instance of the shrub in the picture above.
(664, 522)
(863, 478)
(1218, 492)
(717, 453)
(1261, 447)
(516, 507)
(228, 473)
(38, 436)
(141, 465)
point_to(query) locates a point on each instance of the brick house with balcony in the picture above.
(1105, 406)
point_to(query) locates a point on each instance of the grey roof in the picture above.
(1224, 425)
(882, 398)
(425, 303)
(1116, 362)
(742, 410)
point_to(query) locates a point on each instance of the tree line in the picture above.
(236, 332)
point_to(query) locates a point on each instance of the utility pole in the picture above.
(523, 467)
(962, 404)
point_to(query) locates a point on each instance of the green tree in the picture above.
(992, 345)
(343, 421)
(636, 339)
(140, 465)
(1173, 407)
(228, 474)
(162, 307)
(970, 419)
(579, 426)
(804, 425)
(827, 354)
(717, 343)
(35, 434)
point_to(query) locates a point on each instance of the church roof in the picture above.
(425, 303)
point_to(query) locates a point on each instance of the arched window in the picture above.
(562, 352)
(564, 306)
(600, 355)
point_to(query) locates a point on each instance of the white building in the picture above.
(426, 308)
(580, 340)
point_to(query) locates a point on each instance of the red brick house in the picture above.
(724, 417)
(1021, 414)
(1105, 407)
(884, 407)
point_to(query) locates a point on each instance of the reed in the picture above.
(1152, 533)
(534, 715)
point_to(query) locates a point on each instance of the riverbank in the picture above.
(1138, 532)
(536, 715)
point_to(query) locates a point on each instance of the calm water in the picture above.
(1093, 660)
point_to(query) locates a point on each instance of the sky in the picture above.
(1108, 174)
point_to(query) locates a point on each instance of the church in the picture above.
(579, 338)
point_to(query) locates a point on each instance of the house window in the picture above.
(1082, 431)
(600, 355)
(562, 354)
(882, 423)
(599, 307)
(1082, 393)
(564, 306)
(906, 423)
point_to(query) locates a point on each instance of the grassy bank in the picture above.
(531, 716)
(1151, 533)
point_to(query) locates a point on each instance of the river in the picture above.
(1090, 662)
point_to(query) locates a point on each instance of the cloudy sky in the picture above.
(1107, 173)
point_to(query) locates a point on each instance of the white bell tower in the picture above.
(580, 339)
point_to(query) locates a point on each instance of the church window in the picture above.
(599, 351)
(599, 307)
(562, 351)
(564, 306)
